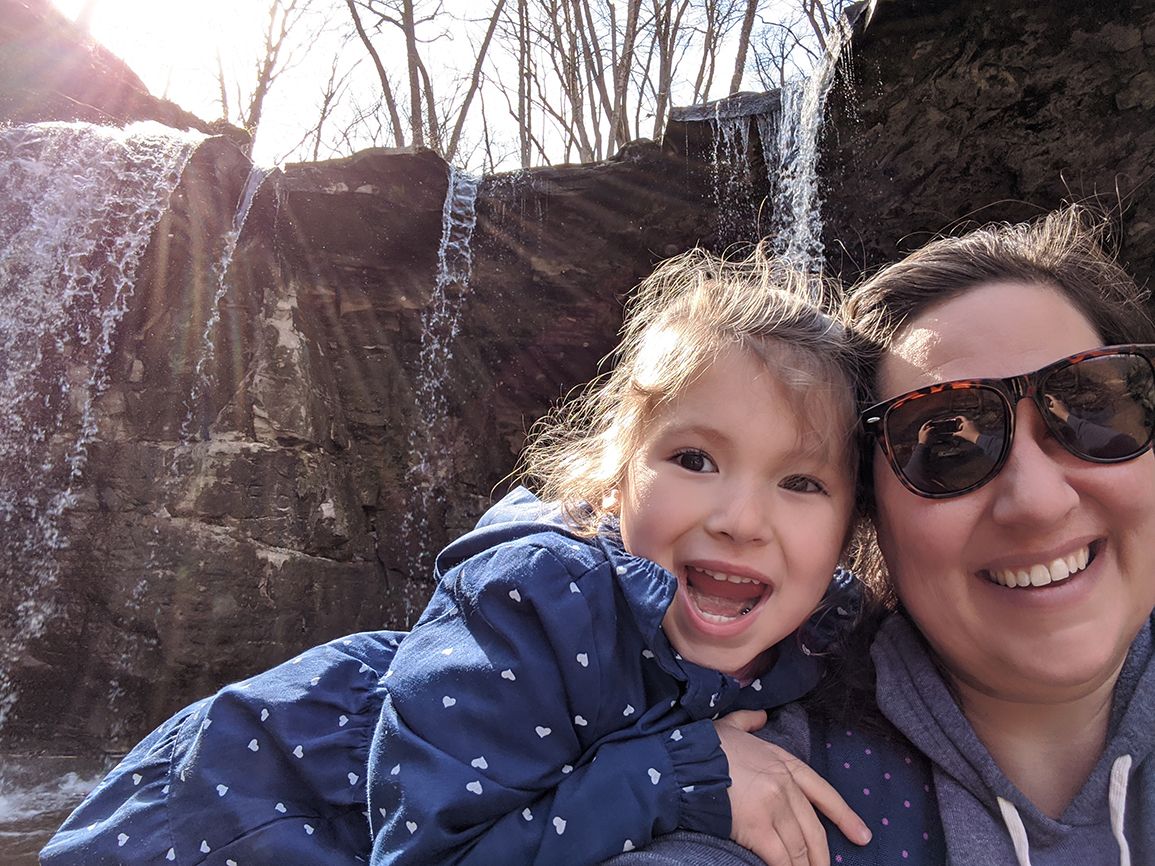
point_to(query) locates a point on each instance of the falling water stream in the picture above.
(79, 204)
(789, 133)
(439, 324)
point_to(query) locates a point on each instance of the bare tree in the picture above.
(743, 44)
(283, 47)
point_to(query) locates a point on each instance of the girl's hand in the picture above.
(771, 793)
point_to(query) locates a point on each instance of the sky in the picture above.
(173, 46)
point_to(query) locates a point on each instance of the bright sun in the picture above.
(173, 45)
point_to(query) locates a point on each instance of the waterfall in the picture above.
(439, 325)
(732, 179)
(790, 151)
(78, 205)
(220, 271)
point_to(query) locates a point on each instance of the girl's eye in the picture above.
(803, 484)
(695, 461)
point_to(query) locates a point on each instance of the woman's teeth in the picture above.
(1043, 573)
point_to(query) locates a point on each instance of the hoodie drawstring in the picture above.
(1017, 832)
(1116, 800)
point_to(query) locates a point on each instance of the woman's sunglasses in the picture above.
(951, 438)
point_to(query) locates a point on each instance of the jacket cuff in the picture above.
(703, 776)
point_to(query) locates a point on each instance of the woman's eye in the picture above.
(695, 461)
(803, 484)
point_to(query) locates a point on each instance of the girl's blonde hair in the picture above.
(689, 310)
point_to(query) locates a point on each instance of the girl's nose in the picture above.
(740, 515)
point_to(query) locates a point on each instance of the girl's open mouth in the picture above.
(722, 598)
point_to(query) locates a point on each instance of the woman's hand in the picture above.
(771, 793)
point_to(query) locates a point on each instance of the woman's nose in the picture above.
(740, 515)
(1034, 486)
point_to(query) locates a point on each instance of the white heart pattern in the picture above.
(629, 710)
(121, 839)
(309, 829)
(515, 595)
(583, 660)
(396, 769)
(756, 685)
(676, 736)
(559, 825)
(573, 587)
(480, 763)
(411, 827)
(647, 654)
(264, 715)
(567, 769)
(342, 721)
(171, 855)
(280, 807)
(528, 815)
(353, 778)
(543, 732)
(222, 790)
(629, 846)
(448, 702)
(230, 863)
(578, 720)
(299, 752)
(474, 787)
(448, 651)
(508, 675)
(205, 847)
(136, 778)
(655, 776)
(253, 745)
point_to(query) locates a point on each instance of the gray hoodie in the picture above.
(986, 820)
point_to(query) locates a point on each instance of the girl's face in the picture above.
(737, 498)
(1025, 644)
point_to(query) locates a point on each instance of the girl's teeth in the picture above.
(733, 578)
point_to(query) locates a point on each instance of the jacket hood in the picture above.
(986, 819)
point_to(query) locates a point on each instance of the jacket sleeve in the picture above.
(515, 731)
(268, 770)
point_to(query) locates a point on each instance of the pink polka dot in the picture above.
(906, 803)
(868, 751)
(907, 760)
(866, 791)
(905, 854)
(926, 788)
(837, 858)
(828, 745)
(925, 836)
(886, 776)
(850, 733)
(846, 765)
(885, 822)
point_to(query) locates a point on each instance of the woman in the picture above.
(1014, 682)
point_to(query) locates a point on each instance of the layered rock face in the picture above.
(258, 491)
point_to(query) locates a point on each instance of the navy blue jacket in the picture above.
(535, 714)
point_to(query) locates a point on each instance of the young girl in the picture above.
(587, 671)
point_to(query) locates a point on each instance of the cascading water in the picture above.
(78, 205)
(790, 150)
(201, 375)
(732, 179)
(439, 325)
(788, 128)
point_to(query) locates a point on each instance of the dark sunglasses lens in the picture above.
(949, 441)
(1102, 408)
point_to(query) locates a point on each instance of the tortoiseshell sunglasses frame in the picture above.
(1012, 389)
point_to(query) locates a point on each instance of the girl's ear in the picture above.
(611, 501)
